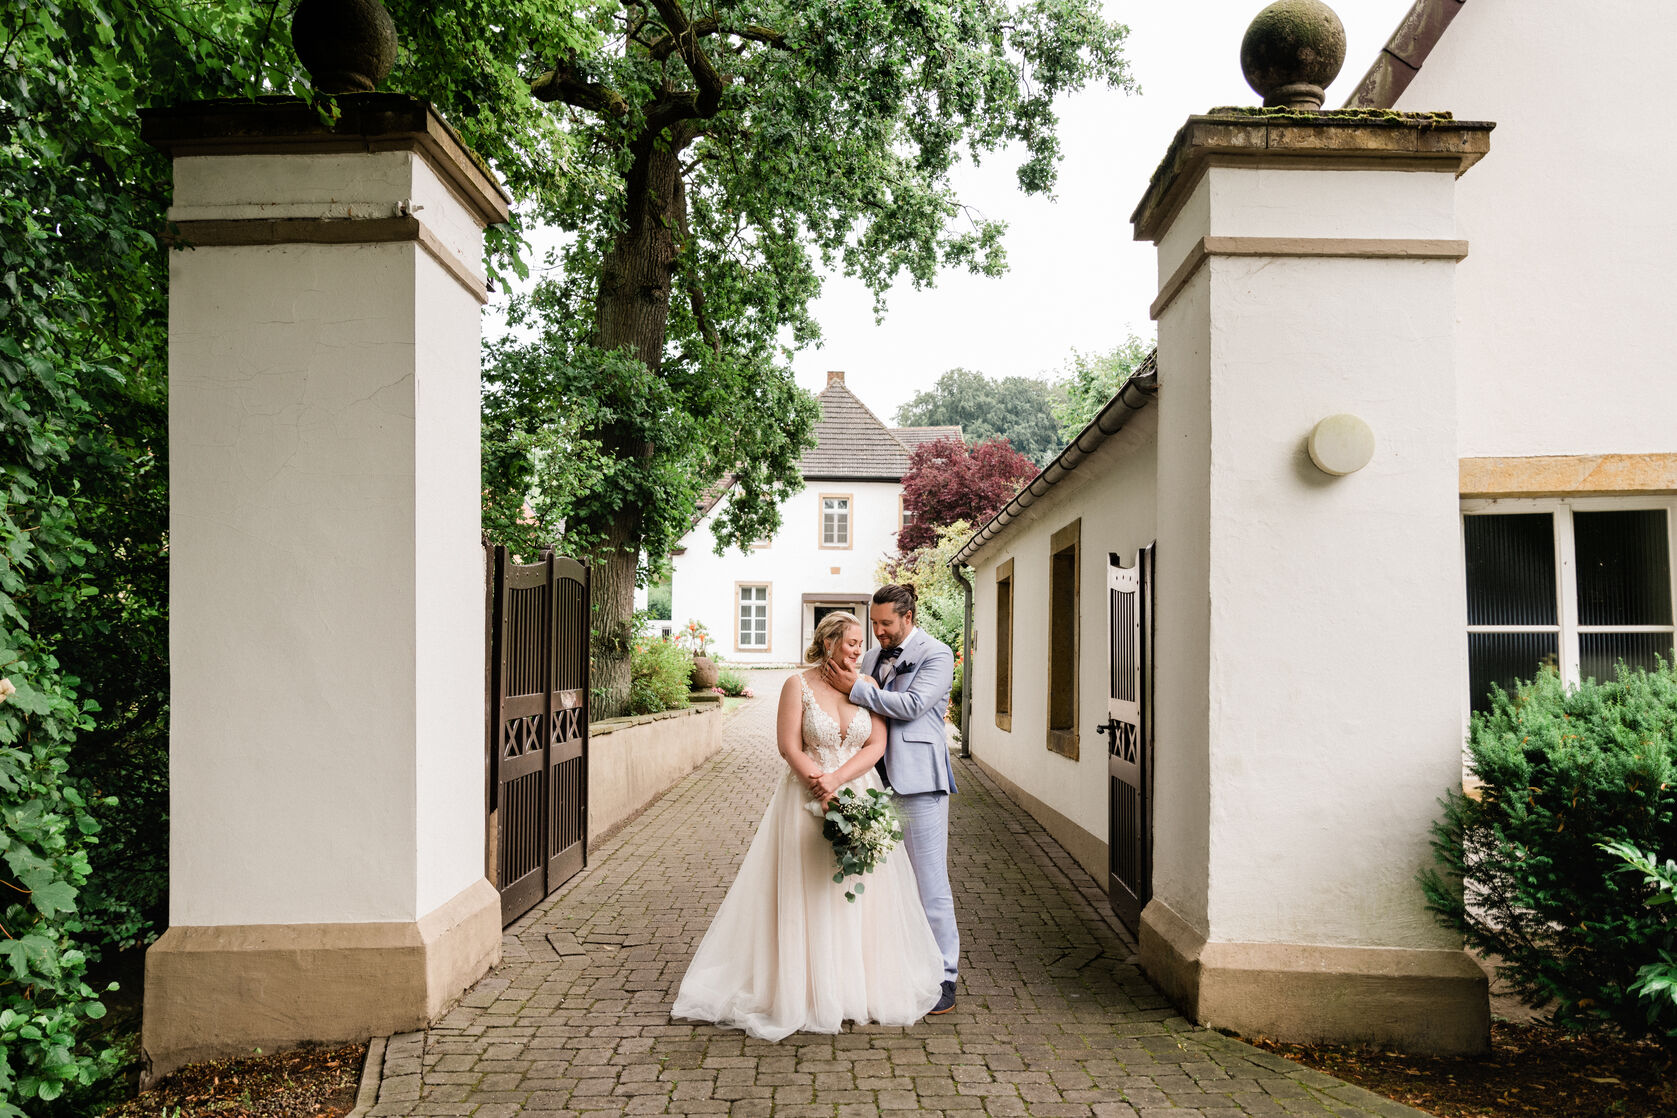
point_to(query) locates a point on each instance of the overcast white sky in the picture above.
(1076, 279)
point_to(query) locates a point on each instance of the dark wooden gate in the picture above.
(538, 726)
(1129, 765)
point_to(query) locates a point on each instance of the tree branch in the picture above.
(686, 37)
(672, 107)
(705, 28)
(563, 85)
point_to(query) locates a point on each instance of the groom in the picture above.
(914, 670)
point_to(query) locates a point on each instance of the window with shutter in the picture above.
(1004, 645)
(1577, 584)
(1063, 573)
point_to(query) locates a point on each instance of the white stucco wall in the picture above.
(1331, 608)
(1564, 303)
(326, 758)
(1112, 492)
(1182, 630)
(703, 584)
(449, 583)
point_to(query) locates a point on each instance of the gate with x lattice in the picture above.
(1129, 603)
(538, 726)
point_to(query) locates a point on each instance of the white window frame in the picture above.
(739, 616)
(1566, 570)
(845, 518)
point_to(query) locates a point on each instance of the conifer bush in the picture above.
(1525, 872)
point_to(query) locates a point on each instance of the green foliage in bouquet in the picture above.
(658, 671)
(1522, 872)
(863, 830)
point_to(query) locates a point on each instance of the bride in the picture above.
(786, 952)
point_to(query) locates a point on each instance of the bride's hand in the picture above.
(826, 786)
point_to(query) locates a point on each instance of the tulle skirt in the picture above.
(787, 953)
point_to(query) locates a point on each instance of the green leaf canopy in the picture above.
(721, 156)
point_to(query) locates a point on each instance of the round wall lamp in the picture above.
(1341, 444)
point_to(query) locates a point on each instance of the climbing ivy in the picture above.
(84, 451)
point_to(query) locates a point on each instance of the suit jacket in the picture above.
(913, 702)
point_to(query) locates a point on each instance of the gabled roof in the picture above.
(712, 494)
(850, 441)
(1401, 58)
(912, 437)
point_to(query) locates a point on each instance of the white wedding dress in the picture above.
(786, 952)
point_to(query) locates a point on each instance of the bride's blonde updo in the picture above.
(830, 629)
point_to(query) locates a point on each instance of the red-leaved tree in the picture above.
(949, 481)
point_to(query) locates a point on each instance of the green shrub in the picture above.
(658, 671)
(1523, 872)
(1656, 982)
(942, 605)
(731, 683)
(955, 687)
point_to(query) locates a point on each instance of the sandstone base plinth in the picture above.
(223, 991)
(1433, 1002)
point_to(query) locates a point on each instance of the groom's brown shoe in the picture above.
(946, 1002)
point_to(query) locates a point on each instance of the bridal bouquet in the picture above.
(862, 829)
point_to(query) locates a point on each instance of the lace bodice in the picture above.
(823, 738)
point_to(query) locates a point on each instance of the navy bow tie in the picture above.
(891, 653)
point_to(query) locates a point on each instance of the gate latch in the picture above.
(1110, 729)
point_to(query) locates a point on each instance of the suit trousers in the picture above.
(925, 817)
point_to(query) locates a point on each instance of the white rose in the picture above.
(7, 689)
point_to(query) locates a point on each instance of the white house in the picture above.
(1409, 432)
(761, 607)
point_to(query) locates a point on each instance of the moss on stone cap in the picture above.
(1281, 112)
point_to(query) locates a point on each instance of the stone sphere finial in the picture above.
(1293, 49)
(347, 46)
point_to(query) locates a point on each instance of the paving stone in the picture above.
(1055, 1018)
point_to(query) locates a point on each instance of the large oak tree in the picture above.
(721, 156)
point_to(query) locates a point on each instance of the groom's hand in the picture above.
(841, 679)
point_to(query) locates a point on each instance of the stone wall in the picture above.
(633, 760)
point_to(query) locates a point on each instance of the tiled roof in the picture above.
(851, 442)
(707, 501)
(912, 437)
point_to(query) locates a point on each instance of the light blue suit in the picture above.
(913, 701)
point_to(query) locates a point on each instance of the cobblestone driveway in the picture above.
(1054, 1017)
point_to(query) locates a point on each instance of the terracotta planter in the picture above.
(705, 673)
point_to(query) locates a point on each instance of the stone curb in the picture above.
(372, 1070)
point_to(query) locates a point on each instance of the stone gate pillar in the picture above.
(1310, 669)
(327, 625)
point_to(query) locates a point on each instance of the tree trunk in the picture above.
(632, 311)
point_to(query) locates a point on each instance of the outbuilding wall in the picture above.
(1565, 299)
(1112, 493)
